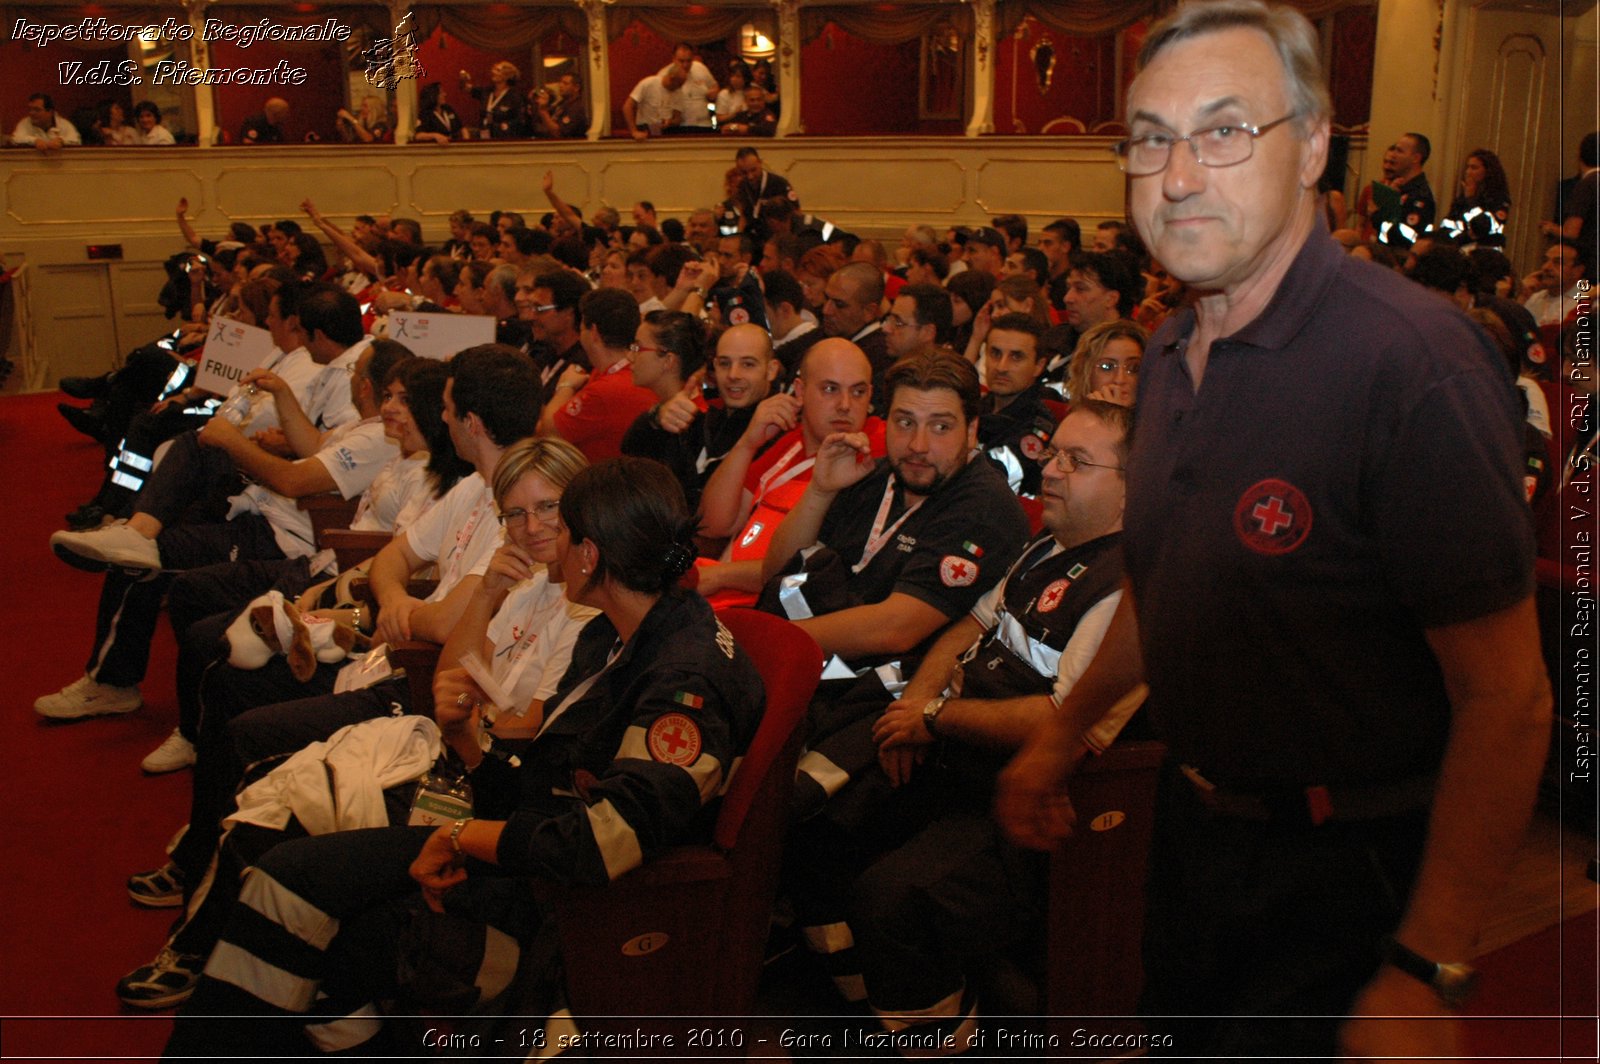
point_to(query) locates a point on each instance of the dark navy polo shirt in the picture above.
(1348, 475)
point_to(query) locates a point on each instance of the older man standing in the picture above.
(1331, 566)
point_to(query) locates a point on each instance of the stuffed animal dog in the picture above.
(270, 625)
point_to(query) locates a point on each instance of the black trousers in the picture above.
(1258, 936)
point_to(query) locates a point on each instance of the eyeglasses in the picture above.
(543, 308)
(545, 512)
(1069, 462)
(637, 348)
(1215, 147)
(1111, 365)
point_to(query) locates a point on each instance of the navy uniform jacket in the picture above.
(627, 767)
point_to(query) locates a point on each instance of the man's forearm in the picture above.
(723, 496)
(303, 437)
(995, 723)
(797, 530)
(1499, 734)
(892, 626)
(391, 570)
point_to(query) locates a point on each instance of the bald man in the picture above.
(763, 474)
(266, 127)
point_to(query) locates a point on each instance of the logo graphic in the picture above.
(1050, 597)
(391, 60)
(957, 572)
(1272, 517)
(674, 739)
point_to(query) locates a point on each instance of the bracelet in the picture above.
(455, 835)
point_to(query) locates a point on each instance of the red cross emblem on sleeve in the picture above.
(674, 739)
(957, 572)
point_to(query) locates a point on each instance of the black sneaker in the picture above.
(164, 982)
(159, 888)
(85, 422)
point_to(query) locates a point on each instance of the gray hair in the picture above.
(503, 277)
(1291, 34)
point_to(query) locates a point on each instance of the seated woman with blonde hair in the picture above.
(1105, 364)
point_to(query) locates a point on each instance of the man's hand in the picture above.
(898, 762)
(1031, 800)
(183, 206)
(457, 704)
(394, 620)
(573, 378)
(679, 412)
(690, 275)
(774, 416)
(267, 381)
(843, 459)
(548, 182)
(274, 442)
(438, 868)
(219, 433)
(306, 204)
(641, 134)
(1422, 1027)
(901, 725)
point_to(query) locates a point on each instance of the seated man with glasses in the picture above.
(904, 878)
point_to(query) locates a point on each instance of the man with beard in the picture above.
(876, 557)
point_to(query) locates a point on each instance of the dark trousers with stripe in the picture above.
(327, 925)
(125, 622)
(923, 880)
(245, 728)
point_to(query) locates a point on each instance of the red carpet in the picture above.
(82, 816)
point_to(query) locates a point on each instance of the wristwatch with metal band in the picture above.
(1453, 983)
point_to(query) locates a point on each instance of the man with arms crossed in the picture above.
(1331, 566)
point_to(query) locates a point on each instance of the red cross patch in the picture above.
(1536, 353)
(1272, 517)
(738, 316)
(1050, 597)
(957, 572)
(1032, 447)
(750, 536)
(674, 739)
(574, 407)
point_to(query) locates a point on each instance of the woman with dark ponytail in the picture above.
(635, 743)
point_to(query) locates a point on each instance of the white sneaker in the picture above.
(113, 546)
(85, 698)
(174, 753)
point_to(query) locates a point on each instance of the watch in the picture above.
(1453, 983)
(930, 713)
(455, 834)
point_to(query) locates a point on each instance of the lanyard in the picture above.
(449, 572)
(781, 472)
(881, 535)
(756, 211)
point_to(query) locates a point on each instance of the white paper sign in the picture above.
(440, 336)
(232, 349)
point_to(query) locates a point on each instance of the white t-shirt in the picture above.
(533, 633)
(352, 455)
(327, 404)
(459, 533)
(26, 132)
(398, 495)
(654, 103)
(298, 370)
(696, 92)
(158, 137)
(729, 103)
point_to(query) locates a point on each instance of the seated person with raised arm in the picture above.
(761, 478)
(253, 714)
(904, 878)
(593, 405)
(638, 740)
(876, 557)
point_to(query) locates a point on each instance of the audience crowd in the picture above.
(915, 451)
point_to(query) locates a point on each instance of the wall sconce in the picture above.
(753, 44)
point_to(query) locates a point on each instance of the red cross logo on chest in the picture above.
(1271, 516)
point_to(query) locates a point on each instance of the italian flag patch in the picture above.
(1076, 571)
(972, 549)
(684, 698)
